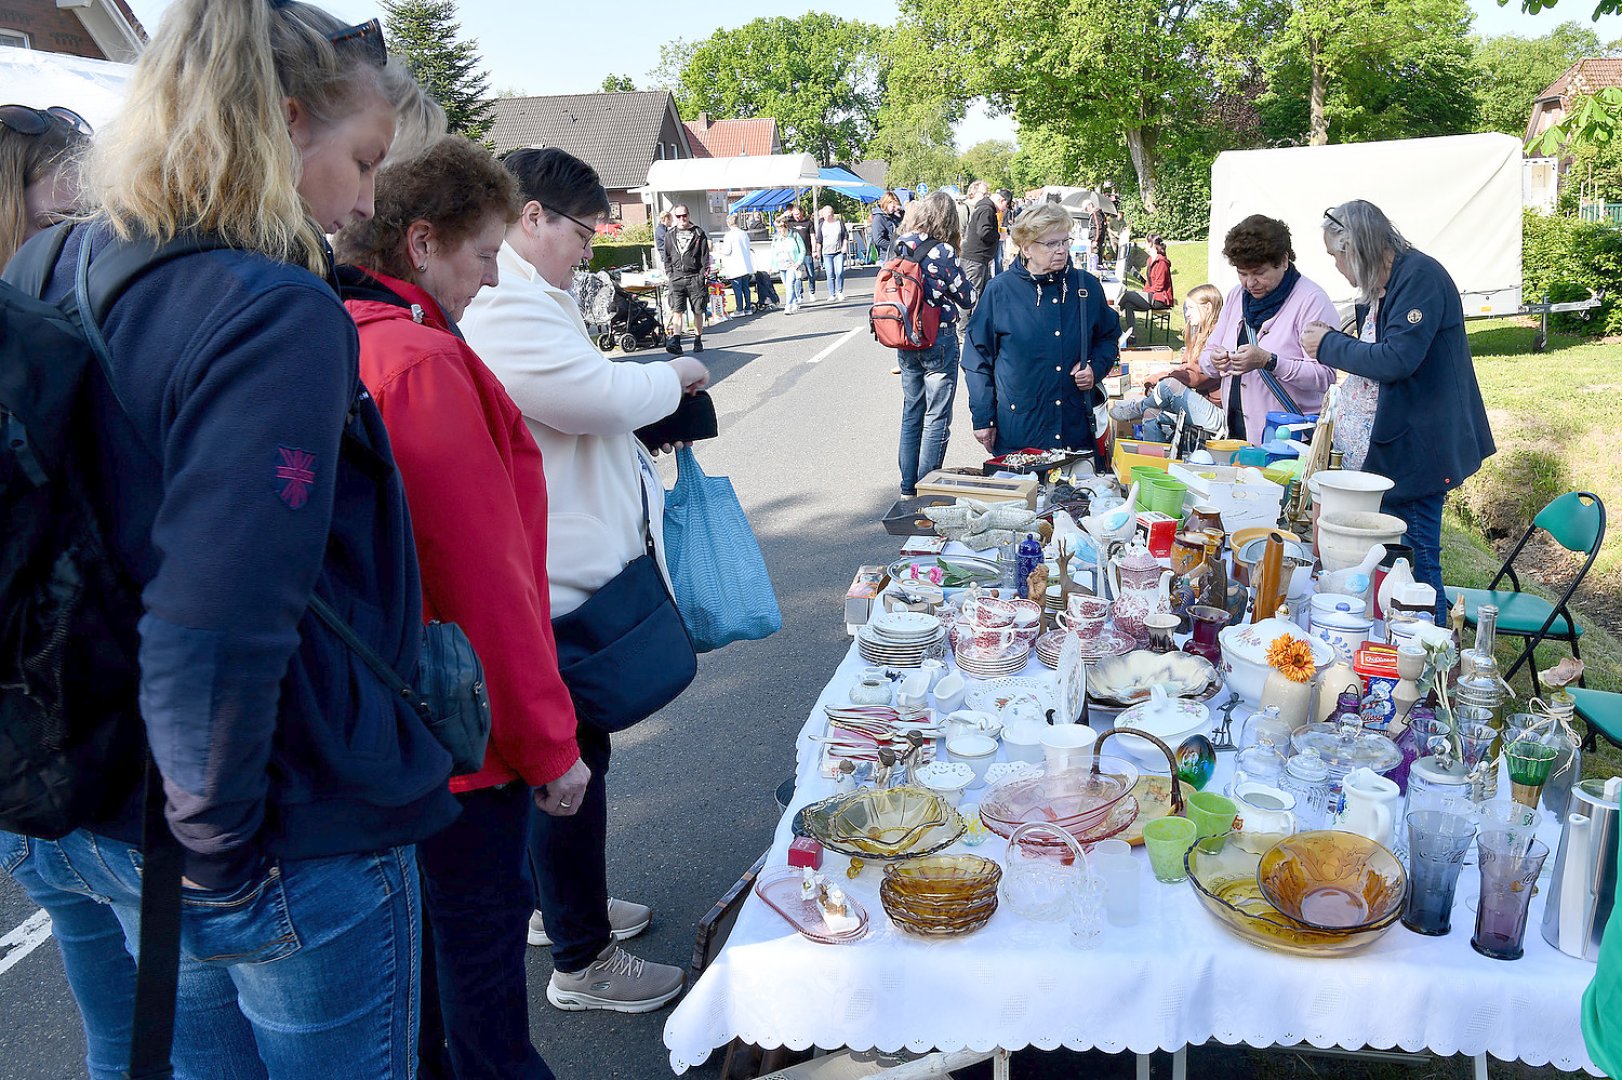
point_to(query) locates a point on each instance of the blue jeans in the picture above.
(835, 265)
(1424, 518)
(811, 272)
(928, 385)
(740, 292)
(477, 894)
(569, 859)
(791, 285)
(306, 972)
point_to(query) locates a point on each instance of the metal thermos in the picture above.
(1583, 888)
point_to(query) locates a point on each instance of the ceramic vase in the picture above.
(1292, 699)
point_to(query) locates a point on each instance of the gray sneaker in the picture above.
(1130, 409)
(625, 919)
(617, 982)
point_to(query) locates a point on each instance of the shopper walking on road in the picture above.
(801, 224)
(830, 240)
(788, 258)
(980, 238)
(687, 265)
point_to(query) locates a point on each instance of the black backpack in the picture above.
(72, 745)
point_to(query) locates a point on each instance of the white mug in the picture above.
(1065, 746)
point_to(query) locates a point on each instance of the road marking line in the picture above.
(825, 353)
(34, 932)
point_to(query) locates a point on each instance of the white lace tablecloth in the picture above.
(1174, 979)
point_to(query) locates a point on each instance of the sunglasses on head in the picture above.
(369, 34)
(26, 120)
(1335, 221)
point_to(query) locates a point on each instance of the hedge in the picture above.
(1565, 257)
(605, 256)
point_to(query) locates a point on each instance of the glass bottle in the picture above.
(1478, 697)
(1307, 778)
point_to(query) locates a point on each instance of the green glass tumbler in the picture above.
(1213, 816)
(1168, 840)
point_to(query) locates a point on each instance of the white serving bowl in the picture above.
(1244, 654)
(948, 779)
(1344, 538)
(1177, 721)
(975, 751)
(1338, 491)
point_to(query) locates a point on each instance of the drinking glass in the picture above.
(1087, 910)
(1213, 816)
(1168, 840)
(1508, 873)
(1437, 842)
(1529, 766)
(1122, 886)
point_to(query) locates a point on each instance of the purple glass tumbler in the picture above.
(1509, 870)
(1437, 843)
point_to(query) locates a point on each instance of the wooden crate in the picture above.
(988, 489)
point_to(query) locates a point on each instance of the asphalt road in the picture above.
(808, 412)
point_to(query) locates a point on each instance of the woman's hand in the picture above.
(1083, 374)
(986, 437)
(1247, 358)
(561, 797)
(1312, 335)
(693, 374)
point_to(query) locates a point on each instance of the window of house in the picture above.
(659, 150)
(14, 38)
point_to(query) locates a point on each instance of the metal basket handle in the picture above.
(1171, 759)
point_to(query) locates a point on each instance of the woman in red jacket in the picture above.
(473, 480)
(1157, 276)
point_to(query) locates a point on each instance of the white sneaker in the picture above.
(625, 920)
(616, 982)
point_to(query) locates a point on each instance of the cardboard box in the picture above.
(1159, 531)
(924, 545)
(989, 489)
(864, 589)
(1244, 497)
(1130, 452)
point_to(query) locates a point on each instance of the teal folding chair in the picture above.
(1601, 711)
(1575, 521)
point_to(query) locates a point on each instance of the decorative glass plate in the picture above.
(893, 823)
(781, 893)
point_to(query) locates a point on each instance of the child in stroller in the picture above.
(615, 316)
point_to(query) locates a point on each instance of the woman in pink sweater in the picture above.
(1257, 340)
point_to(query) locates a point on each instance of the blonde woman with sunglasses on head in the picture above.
(244, 471)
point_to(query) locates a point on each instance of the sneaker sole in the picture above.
(575, 1002)
(625, 933)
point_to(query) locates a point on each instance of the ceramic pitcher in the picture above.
(1371, 805)
(1142, 587)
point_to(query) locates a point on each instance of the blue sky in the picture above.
(529, 48)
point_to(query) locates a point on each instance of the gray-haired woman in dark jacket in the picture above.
(1411, 409)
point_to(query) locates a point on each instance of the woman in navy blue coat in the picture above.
(1410, 408)
(1037, 344)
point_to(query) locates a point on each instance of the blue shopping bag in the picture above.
(720, 580)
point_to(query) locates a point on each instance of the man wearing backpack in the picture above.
(929, 238)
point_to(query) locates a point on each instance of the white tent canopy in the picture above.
(95, 89)
(1457, 198)
(738, 173)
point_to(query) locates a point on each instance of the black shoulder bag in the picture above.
(625, 653)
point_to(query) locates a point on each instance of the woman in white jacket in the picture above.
(582, 409)
(737, 263)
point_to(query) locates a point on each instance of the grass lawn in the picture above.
(1557, 430)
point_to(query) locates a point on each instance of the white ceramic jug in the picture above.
(1371, 805)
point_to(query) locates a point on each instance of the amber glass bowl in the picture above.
(944, 878)
(891, 823)
(936, 919)
(1335, 881)
(1227, 884)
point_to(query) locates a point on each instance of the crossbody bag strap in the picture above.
(157, 972)
(1270, 380)
(369, 657)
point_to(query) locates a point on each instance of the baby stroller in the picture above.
(614, 316)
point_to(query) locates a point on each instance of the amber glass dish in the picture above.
(1334, 881)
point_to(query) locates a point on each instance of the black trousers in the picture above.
(569, 860)
(1133, 301)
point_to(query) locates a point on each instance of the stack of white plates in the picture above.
(980, 664)
(900, 639)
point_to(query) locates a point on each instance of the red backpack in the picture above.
(901, 317)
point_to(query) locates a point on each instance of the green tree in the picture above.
(918, 105)
(1375, 69)
(618, 84)
(1515, 69)
(424, 33)
(818, 75)
(991, 161)
(1104, 71)
(673, 57)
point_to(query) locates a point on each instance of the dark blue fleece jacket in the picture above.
(251, 468)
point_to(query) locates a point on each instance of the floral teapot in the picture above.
(1142, 587)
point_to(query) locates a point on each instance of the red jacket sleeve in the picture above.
(478, 559)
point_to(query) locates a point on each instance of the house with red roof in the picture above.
(1584, 77)
(732, 138)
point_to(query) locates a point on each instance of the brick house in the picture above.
(98, 29)
(733, 138)
(618, 134)
(1584, 77)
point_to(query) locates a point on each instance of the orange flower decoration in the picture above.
(1292, 657)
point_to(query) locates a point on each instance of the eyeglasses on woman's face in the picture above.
(1058, 244)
